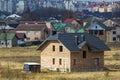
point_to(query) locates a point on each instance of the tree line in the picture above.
(43, 14)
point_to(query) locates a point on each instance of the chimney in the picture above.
(76, 40)
(79, 39)
(82, 38)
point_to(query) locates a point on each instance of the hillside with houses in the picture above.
(80, 42)
(33, 32)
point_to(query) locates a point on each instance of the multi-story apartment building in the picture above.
(8, 5)
(75, 5)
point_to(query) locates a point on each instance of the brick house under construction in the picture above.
(72, 52)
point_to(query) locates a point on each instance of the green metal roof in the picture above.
(59, 26)
(93, 21)
(9, 36)
(80, 30)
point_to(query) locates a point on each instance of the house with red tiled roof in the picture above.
(35, 31)
(71, 20)
(76, 23)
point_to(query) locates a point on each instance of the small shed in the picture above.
(31, 67)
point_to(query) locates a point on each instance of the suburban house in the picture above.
(86, 20)
(76, 23)
(14, 17)
(20, 38)
(12, 23)
(4, 26)
(109, 23)
(8, 40)
(72, 52)
(50, 28)
(63, 27)
(97, 28)
(35, 31)
(113, 30)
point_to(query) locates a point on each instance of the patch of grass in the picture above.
(11, 67)
(23, 51)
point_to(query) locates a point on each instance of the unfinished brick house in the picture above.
(72, 52)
